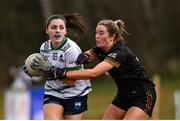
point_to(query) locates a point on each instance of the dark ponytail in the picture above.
(75, 23)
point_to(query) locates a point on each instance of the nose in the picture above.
(96, 36)
(58, 30)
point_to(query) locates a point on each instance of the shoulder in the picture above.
(45, 46)
(121, 49)
(119, 53)
(70, 45)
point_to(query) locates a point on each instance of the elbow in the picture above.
(94, 74)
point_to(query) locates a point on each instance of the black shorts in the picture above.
(139, 98)
(72, 106)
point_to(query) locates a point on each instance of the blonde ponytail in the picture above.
(122, 30)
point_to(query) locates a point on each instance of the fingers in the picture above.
(48, 75)
(35, 67)
(45, 58)
(60, 73)
(38, 58)
(79, 59)
(24, 67)
(26, 71)
(82, 59)
(35, 64)
(35, 61)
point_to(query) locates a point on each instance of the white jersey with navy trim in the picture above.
(64, 57)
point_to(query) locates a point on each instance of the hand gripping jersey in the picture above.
(64, 57)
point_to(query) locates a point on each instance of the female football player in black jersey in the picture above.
(136, 95)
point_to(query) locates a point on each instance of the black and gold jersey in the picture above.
(127, 71)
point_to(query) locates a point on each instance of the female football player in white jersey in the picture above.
(63, 100)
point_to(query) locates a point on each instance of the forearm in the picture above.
(81, 74)
(98, 70)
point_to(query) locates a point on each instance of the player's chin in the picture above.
(57, 40)
(99, 45)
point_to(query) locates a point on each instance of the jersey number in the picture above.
(55, 56)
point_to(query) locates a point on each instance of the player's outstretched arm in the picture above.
(98, 70)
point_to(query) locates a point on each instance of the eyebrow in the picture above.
(57, 25)
(101, 30)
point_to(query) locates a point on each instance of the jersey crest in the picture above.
(112, 55)
(61, 58)
(77, 105)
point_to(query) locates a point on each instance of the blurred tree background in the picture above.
(153, 25)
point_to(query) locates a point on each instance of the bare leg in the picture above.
(74, 117)
(135, 113)
(53, 111)
(113, 113)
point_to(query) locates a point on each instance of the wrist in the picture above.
(63, 76)
(86, 55)
(60, 73)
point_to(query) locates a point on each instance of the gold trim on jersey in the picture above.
(112, 62)
(149, 101)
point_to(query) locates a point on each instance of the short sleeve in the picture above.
(116, 58)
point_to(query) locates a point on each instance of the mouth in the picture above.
(57, 35)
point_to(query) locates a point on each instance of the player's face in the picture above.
(103, 40)
(56, 30)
